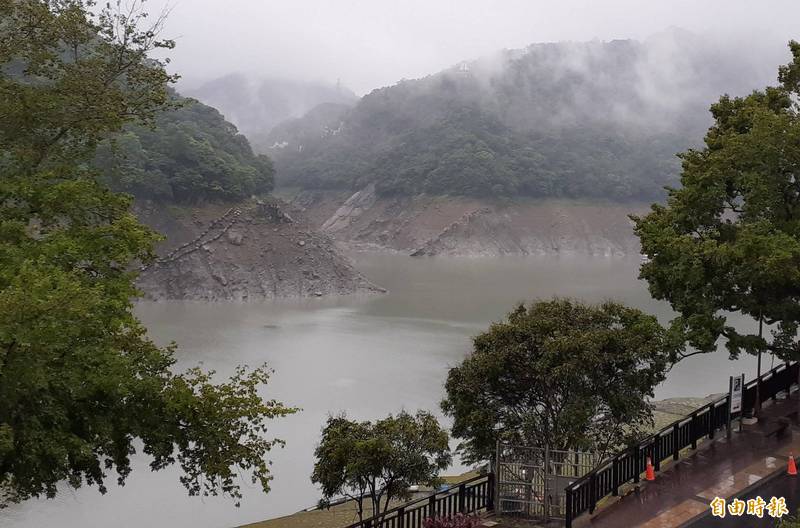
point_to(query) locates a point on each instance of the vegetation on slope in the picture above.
(554, 120)
(190, 154)
(470, 152)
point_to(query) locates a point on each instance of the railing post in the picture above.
(462, 497)
(615, 476)
(712, 420)
(592, 492)
(490, 492)
(432, 506)
(635, 457)
(797, 375)
(498, 472)
(569, 508)
(786, 378)
(694, 430)
(401, 517)
(657, 452)
(676, 439)
(546, 494)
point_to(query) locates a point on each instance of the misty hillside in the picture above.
(191, 154)
(255, 106)
(566, 120)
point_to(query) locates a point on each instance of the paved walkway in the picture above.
(683, 491)
(781, 485)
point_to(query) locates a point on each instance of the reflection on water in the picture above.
(367, 355)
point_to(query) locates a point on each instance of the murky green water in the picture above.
(368, 356)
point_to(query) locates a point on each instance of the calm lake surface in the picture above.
(366, 355)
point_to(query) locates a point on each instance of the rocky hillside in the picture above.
(245, 252)
(463, 226)
(195, 179)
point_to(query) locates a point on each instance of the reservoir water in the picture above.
(368, 356)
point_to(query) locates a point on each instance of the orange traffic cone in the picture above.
(792, 467)
(650, 474)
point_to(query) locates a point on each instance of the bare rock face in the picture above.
(235, 237)
(460, 226)
(479, 232)
(351, 209)
(527, 229)
(251, 251)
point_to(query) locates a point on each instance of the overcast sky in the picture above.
(373, 43)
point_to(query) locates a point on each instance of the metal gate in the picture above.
(531, 480)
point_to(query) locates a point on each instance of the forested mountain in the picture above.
(595, 119)
(191, 154)
(255, 106)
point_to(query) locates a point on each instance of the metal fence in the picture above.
(553, 484)
(471, 496)
(628, 465)
(531, 480)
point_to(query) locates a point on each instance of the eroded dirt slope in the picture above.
(249, 251)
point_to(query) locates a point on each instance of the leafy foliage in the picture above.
(190, 154)
(66, 81)
(378, 461)
(557, 373)
(80, 383)
(457, 521)
(728, 239)
(790, 522)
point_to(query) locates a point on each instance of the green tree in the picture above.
(191, 154)
(557, 373)
(80, 383)
(790, 522)
(728, 240)
(378, 461)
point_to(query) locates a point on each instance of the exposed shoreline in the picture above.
(463, 226)
(250, 251)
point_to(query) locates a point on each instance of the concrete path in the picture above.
(780, 485)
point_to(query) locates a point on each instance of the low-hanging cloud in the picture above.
(372, 43)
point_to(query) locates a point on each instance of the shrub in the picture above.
(458, 521)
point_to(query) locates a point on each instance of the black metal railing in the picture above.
(628, 465)
(471, 496)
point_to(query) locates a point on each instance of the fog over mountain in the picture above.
(261, 63)
(256, 105)
(571, 119)
(537, 98)
(373, 43)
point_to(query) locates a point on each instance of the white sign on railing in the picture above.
(736, 391)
